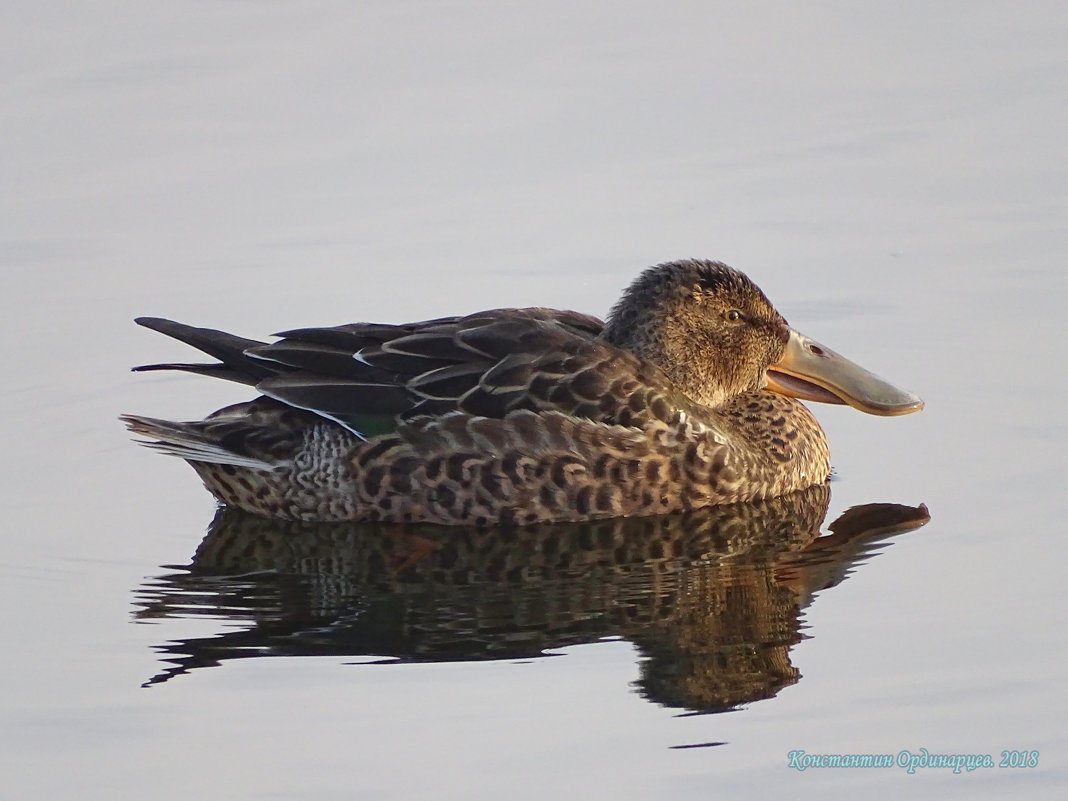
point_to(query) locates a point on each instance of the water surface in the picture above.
(893, 178)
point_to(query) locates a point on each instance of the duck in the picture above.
(689, 394)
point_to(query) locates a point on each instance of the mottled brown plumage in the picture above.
(519, 416)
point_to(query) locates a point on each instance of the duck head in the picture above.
(716, 336)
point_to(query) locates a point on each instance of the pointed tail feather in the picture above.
(189, 441)
(227, 348)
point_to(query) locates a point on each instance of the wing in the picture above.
(369, 376)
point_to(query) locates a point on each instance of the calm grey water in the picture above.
(893, 177)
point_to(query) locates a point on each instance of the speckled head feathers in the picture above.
(706, 325)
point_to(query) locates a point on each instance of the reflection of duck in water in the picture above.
(712, 598)
(525, 415)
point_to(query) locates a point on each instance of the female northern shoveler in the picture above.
(519, 416)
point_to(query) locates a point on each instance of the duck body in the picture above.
(512, 416)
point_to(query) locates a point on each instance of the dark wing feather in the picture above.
(353, 336)
(328, 360)
(333, 396)
(368, 376)
(447, 382)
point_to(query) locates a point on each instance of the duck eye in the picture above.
(734, 315)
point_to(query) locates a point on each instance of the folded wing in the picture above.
(369, 376)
